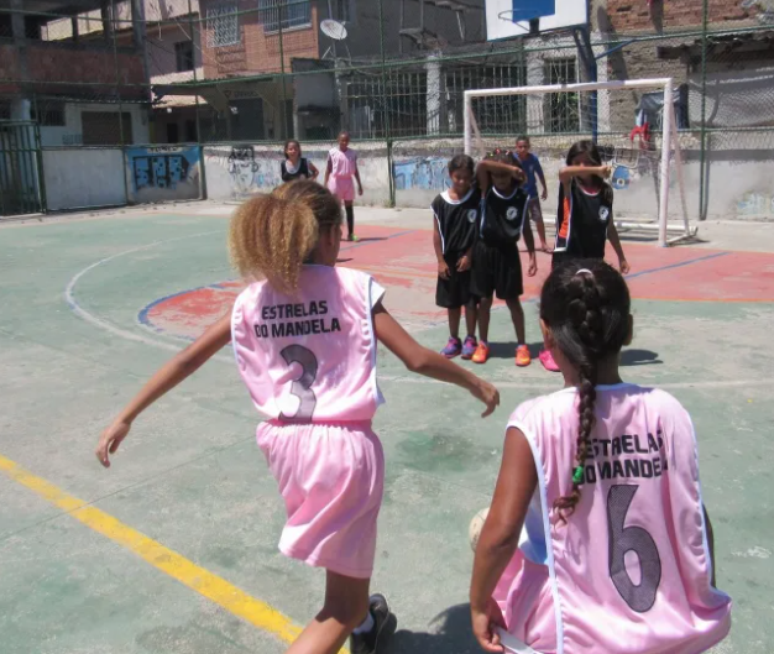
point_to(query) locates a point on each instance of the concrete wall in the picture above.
(163, 174)
(84, 177)
(239, 171)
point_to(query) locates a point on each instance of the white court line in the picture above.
(413, 379)
(105, 325)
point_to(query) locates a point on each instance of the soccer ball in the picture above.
(476, 525)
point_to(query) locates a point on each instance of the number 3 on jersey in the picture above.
(622, 539)
(302, 387)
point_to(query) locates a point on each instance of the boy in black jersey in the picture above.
(496, 263)
(454, 232)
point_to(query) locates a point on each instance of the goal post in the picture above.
(670, 145)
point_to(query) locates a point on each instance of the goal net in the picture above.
(634, 123)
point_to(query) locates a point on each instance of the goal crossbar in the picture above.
(669, 136)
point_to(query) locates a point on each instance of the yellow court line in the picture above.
(186, 572)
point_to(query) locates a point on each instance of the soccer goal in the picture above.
(634, 123)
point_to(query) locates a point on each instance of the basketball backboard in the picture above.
(499, 24)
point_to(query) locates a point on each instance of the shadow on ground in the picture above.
(640, 358)
(448, 633)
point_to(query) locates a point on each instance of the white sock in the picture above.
(366, 625)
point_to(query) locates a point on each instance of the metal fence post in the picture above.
(387, 131)
(703, 163)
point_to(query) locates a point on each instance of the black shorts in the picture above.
(454, 292)
(496, 270)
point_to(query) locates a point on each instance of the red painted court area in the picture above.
(403, 261)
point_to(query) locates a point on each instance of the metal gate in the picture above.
(21, 183)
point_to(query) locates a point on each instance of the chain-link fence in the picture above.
(161, 73)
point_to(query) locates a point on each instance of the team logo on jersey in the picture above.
(512, 213)
(472, 215)
(604, 214)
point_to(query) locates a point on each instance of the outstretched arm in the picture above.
(177, 369)
(428, 363)
(501, 532)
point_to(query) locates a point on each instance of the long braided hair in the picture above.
(585, 303)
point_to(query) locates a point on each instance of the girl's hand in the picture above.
(605, 172)
(484, 626)
(110, 440)
(443, 270)
(623, 264)
(532, 266)
(360, 189)
(463, 264)
(488, 394)
(544, 194)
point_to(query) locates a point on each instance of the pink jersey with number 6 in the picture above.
(310, 357)
(630, 571)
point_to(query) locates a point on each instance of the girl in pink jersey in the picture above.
(339, 176)
(597, 541)
(304, 335)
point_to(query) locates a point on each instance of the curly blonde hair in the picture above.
(273, 235)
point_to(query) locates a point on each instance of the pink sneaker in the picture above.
(548, 361)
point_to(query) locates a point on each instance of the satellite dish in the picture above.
(333, 29)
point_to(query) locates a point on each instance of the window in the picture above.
(184, 56)
(50, 113)
(103, 128)
(295, 13)
(341, 10)
(222, 25)
(562, 113)
(5, 110)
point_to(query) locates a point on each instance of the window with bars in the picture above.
(562, 110)
(502, 116)
(222, 25)
(293, 13)
(50, 113)
(184, 56)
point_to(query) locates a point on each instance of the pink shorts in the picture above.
(332, 479)
(342, 187)
(524, 596)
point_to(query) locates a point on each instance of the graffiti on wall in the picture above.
(163, 173)
(248, 174)
(249, 170)
(756, 205)
(423, 173)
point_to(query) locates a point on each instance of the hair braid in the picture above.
(586, 325)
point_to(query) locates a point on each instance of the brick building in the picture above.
(241, 44)
(62, 73)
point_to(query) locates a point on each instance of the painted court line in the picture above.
(204, 582)
(680, 264)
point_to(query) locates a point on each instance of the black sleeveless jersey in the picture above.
(302, 172)
(502, 217)
(457, 220)
(582, 222)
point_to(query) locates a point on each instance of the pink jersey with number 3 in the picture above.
(310, 357)
(630, 571)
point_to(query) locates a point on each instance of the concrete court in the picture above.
(191, 478)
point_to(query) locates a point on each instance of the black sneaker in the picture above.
(366, 643)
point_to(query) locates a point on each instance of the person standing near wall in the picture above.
(295, 166)
(339, 174)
